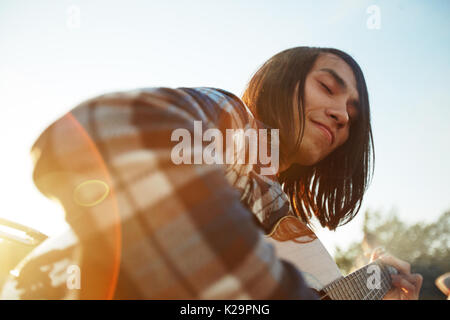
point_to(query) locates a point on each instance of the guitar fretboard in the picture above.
(370, 282)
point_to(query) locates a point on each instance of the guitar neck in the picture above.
(370, 282)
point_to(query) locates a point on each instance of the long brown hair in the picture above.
(331, 190)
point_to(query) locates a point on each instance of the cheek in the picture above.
(344, 137)
(314, 99)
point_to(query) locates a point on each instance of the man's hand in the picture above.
(406, 286)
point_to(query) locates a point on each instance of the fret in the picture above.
(363, 277)
(349, 286)
(350, 289)
(368, 295)
(368, 291)
(384, 289)
(355, 287)
(339, 290)
(329, 290)
(346, 288)
(377, 293)
(332, 290)
(335, 294)
(362, 288)
(373, 292)
(385, 282)
(373, 295)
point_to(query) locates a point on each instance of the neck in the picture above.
(283, 167)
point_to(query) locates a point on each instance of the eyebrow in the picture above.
(340, 82)
(336, 77)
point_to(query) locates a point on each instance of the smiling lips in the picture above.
(327, 132)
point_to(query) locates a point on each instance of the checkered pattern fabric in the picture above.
(151, 229)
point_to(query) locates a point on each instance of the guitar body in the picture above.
(312, 258)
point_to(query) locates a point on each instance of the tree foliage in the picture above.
(425, 246)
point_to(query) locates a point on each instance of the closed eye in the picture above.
(326, 87)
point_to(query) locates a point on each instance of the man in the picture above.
(146, 226)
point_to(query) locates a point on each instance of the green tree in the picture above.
(425, 246)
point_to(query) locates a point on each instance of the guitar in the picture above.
(321, 273)
(19, 233)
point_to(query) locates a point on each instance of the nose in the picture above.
(339, 114)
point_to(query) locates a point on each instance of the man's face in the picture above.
(330, 104)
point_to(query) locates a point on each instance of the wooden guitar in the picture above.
(370, 282)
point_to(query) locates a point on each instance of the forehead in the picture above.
(333, 62)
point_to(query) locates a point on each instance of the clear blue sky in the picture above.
(55, 54)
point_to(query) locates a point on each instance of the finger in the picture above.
(419, 280)
(414, 278)
(377, 253)
(402, 266)
(402, 282)
(406, 289)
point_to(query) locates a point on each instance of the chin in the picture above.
(309, 160)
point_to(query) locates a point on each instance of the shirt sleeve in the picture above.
(181, 230)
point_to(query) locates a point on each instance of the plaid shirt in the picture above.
(145, 228)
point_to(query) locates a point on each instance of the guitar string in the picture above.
(334, 289)
(353, 289)
(337, 288)
(385, 285)
(365, 290)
